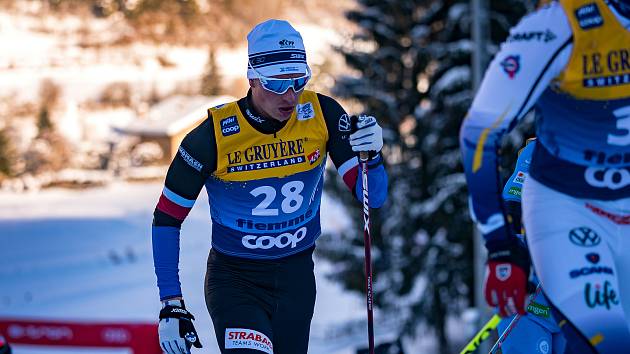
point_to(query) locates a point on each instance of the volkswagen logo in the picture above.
(584, 237)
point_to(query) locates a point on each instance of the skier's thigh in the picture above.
(571, 252)
(621, 209)
(243, 329)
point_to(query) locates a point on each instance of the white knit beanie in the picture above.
(274, 48)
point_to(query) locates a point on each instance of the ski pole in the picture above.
(482, 335)
(512, 324)
(363, 157)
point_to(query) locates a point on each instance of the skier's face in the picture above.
(273, 105)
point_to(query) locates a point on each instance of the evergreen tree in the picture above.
(412, 71)
(6, 154)
(49, 96)
(211, 80)
(44, 123)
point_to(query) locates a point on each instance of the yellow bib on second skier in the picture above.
(599, 68)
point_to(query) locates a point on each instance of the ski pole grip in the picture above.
(354, 126)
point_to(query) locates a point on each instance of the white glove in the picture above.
(176, 331)
(368, 135)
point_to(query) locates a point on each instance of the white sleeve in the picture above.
(537, 51)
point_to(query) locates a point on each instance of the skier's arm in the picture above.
(536, 52)
(346, 161)
(191, 166)
(513, 187)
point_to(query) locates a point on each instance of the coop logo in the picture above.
(611, 178)
(305, 111)
(584, 237)
(285, 43)
(242, 338)
(283, 240)
(229, 126)
(511, 65)
(588, 16)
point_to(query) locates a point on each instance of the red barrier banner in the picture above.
(142, 338)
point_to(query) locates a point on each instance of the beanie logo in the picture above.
(285, 43)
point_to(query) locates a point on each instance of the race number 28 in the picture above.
(290, 203)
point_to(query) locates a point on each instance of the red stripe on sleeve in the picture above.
(350, 177)
(168, 207)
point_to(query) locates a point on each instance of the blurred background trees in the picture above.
(411, 64)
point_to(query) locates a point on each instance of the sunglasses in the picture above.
(280, 86)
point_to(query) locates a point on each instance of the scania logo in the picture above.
(590, 270)
(584, 237)
(281, 241)
(613, 178)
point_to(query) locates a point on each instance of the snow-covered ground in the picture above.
(86, 255)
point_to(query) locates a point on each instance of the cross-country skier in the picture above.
(570, 59)
(262, 161)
